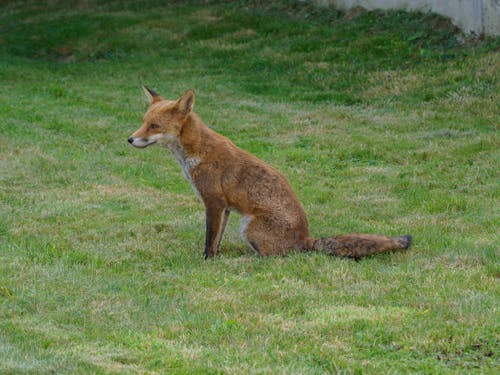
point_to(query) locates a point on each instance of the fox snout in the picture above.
(142, 142)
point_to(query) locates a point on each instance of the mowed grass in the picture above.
(383, 122)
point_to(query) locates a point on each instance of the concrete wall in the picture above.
(472, 16)
(491, 17)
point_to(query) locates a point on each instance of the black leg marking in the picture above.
(254, 246)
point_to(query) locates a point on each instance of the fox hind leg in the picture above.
(247, 233)
(265, 236)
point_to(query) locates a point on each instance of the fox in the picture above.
(227, 178)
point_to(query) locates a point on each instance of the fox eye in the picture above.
(154, 126)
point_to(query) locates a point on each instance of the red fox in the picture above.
(227, 178)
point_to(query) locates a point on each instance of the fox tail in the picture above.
(358, 245)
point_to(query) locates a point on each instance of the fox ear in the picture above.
(152, 95)
(186, 102)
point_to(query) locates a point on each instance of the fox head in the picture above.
(163, 120)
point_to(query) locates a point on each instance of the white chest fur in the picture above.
(186, 162)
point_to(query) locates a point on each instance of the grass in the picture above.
(384, 122)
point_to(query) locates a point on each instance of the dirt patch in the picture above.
(205, 15)
(354, 13)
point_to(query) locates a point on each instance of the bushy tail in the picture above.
(359, 245)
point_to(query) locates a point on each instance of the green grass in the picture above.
(383, 122)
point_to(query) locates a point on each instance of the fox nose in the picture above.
(130, 140)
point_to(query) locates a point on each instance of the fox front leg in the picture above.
(225, 218)
(217, 217)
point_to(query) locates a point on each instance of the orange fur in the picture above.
(228, 178)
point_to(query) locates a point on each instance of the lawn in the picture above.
(384, 122)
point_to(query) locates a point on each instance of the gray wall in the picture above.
(472, 16)
(491, 17)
